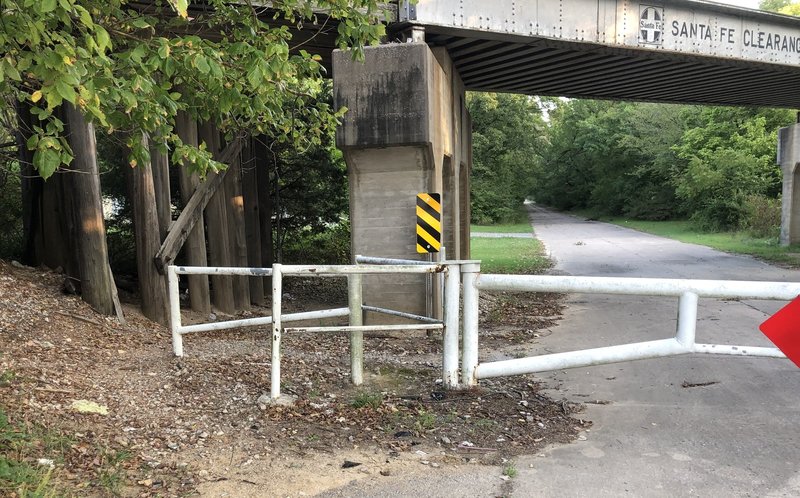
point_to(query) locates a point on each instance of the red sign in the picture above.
(783, 329)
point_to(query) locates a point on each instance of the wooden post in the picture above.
(159, 165)
(252, 221)
(218, 234)
(262, 164)
(152, 285)
(97, 284)
(236, 231)
(195, 246)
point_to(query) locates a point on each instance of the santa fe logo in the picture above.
(651, 25)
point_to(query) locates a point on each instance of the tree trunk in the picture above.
(195, 246)
(262, 163)
(97, 283)
(159, 164)
(218, 234)
(236, 231)
(32, 187)
(252, 222)
(152, 285)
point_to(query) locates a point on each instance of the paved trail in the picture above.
(739, 436)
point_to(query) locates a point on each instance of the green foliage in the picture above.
(19, 475)
(762, 217)
(507, 139)
(729, 155)
(132, 69)
(781, 6)
(510, 470)
(367, 400)
(613, 157)
(657, 162)
(330, 246)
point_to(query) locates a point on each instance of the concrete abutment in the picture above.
(789, 160)
(407, 131)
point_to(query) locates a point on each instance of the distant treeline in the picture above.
(713, 165)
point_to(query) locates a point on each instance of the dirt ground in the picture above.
(194, 426)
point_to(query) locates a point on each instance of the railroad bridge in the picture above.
(408, 130)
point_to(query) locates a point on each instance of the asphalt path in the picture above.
(735, 433)
(737, 436)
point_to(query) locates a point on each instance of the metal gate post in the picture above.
(355, 300)
(452, 293)
(277, 294)
(469, 363)
(174, 310)
(687, 319)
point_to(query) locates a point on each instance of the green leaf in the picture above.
(11, 71)
(46, 162)
(202, 64)
(66, 91)
(85, 17)
(103, 40)
(47, 6)
(181, 6)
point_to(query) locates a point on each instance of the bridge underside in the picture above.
(569, 69)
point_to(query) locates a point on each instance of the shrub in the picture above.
(762, 217)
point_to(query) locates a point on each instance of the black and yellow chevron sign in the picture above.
(429, 223)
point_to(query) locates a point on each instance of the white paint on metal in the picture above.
(583, 358)
(689, 292)
(469, 348)
(368, 328)
(401, 314)
(265, 320)
(720, 289)
(452, 295)
(174, 311)
(275, 365)
(355, 300)
(328, 270)
(370, 260)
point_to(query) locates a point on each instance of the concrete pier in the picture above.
(407, 131)
(789, 160)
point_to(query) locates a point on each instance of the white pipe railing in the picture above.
(179, 330)
(689, 292)
(356, 327)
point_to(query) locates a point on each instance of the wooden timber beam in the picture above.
(183, 226)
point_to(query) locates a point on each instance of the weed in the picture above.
(313, 438)
(425, 420)
(510, 470)
(485, 423)
(7, 377)
(18, 447)
(370, 400)
(112, 473)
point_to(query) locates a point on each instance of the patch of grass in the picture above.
(7, 377)
(20, 447)
(425, 420)
(506, 228)
(767, 249)
(509, 255)
(510, 470)
(111, 475)
(371, 400)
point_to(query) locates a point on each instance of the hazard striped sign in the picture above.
(429, 223)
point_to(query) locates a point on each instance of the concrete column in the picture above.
(789, 160)
(402, 135)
